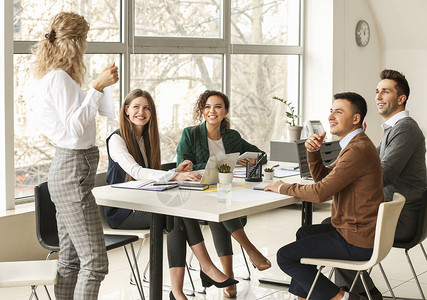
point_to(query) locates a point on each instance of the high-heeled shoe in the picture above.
(207, 281)
(264, 265)
(230, 291)
(171, 296)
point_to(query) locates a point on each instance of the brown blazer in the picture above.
(354, 181)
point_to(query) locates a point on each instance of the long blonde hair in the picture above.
(150, 132)
(63, 47)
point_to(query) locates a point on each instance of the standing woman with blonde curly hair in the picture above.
(68, 120)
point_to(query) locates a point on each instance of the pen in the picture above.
(256, 166)
(166, 183)
(275, 166)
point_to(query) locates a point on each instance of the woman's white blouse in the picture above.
(68, 114)
(120, 154)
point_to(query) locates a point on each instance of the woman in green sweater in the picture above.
(212, 137)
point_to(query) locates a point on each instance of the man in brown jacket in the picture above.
(354, 181)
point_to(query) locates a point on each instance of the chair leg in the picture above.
(136, 274)
(415, 274)
(424, 251)
(47, 292)
(137, 258)
(331, 273)
(34, 292)
(386, 281)
(314, 282)
(365, 285)
(247, 265)
(193, 293)
(354, 280)
(190, 266)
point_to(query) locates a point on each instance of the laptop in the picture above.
(304, 169)
(210, 173)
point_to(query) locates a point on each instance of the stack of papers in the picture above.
(149, 185)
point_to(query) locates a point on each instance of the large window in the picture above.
(249, 49)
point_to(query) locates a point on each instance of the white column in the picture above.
(7, 169)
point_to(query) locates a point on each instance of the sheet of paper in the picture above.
(134, 184)
(279, 173)
(106, 108)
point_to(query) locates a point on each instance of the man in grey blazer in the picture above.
(402, 153)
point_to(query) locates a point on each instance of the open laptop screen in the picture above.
(304, 169)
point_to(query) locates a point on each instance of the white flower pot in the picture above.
(268, 175)
(294, 132)
(225, 178)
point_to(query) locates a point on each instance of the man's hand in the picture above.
(185, 166)
(315, 141)
(274, 186)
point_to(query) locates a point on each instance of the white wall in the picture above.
(333, 61)
(413, 63)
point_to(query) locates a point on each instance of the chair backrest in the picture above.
(168, 166)
(421, 233)
(101, 179)
(388, 215)
(45, 211)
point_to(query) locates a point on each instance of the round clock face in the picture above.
(362, 33)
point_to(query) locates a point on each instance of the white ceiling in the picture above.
(401, 23)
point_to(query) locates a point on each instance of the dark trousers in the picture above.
(316, 241)
(221, 234)
(185, 230)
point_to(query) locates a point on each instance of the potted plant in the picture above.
(294, 131)
(268, 173)
(225, 176)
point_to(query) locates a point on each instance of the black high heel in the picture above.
(171, 296)
(207, 281)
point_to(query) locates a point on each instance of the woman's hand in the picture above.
(274, 186)
(109, 76)
(315, 141)
(187, 176)
(244, 161)
(185, 166)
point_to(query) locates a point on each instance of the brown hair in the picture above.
(62, 47)
(201, 102)
(150, 132)
(402, 85)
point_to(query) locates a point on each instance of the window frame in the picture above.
(129, 44)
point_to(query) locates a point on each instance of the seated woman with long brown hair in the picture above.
(134, 154)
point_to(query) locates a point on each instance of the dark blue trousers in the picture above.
(316, 241)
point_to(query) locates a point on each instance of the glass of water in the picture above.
(223, 192)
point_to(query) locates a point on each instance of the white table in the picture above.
(201, 205)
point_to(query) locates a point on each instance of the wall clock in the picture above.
(363, 33)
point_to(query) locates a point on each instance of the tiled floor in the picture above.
(268, 231)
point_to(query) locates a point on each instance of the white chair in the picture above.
(32, 273)
(388, 214)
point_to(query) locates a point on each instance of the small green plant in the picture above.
(268, 170)
(224, 168)
(290, 115)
